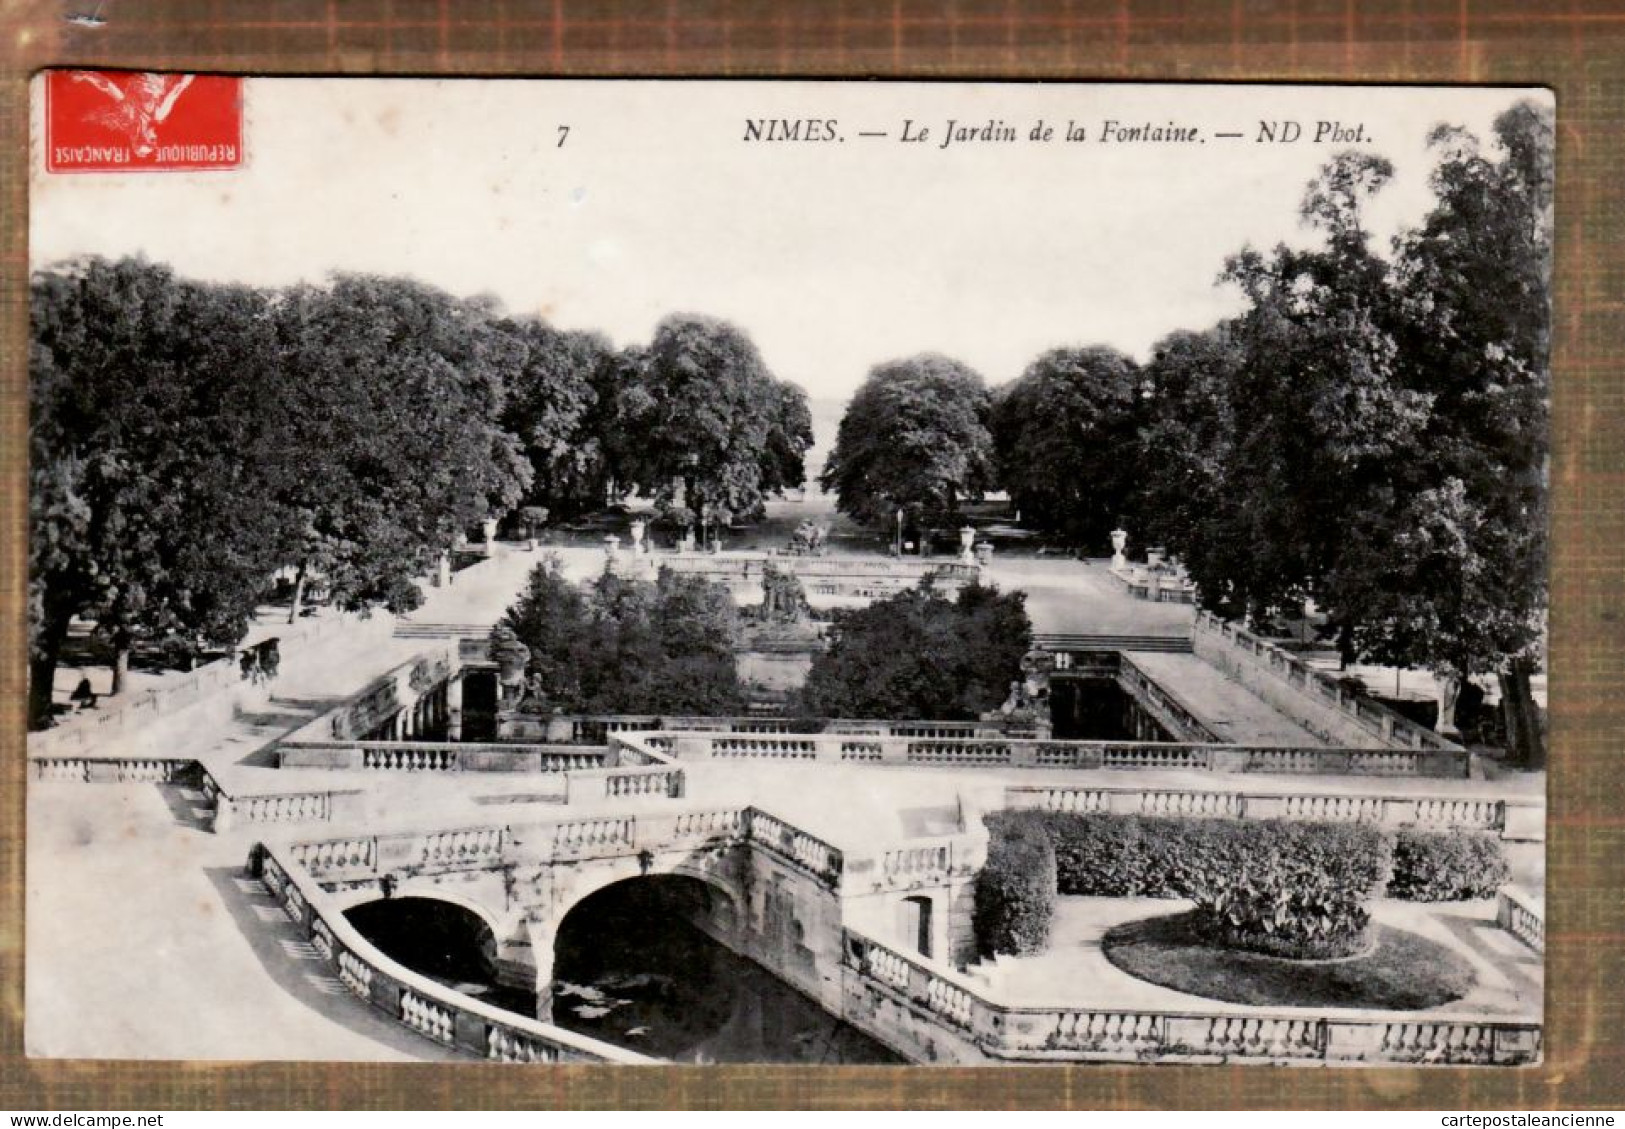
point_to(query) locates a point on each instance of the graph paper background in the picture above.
(1576, 48)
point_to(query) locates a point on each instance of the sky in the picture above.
(834, 256)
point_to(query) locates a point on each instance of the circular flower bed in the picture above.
(1396, 971)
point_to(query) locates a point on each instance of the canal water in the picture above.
(630, 970)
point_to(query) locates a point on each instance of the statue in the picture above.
(808, 539)
(511, 657)
(784, 601)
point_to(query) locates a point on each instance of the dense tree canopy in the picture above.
(704, 415)
(187, 440)
(914, 438)
(144, 392)
(1370, 431)
(921, 655)
(626, 645)
(1066, 436)
(560, 406)
(389, 442)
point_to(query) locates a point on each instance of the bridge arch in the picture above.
(445, 939)
(646, 955)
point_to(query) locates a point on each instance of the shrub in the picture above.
(920, 655)
(1015, 890)
(1294, 889)
(1434, 866)
(1119, 856)
(1289, 889)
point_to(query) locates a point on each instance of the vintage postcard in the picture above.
(787, 572)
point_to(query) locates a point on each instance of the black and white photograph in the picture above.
(788, 572)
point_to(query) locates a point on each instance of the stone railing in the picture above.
(437, 756)
(1306, 693)
(913, 863)
(807, 851)
(597, 729)
(385, 697)
(1011, 752)
(433, 1010)
(294, 806)
(1523, 915)
(112, 770)
(750, 565)
(655, 781)
(1445, 813)
(839, 576)
(1162, 704)
(1158, 586)
(962, 1016)
(118, 718)
(354, 857)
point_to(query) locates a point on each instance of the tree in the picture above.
(1474, 281)
(1373, 433)
(914, 438)
(1330, 420)
(920, 655)
(627, 646)
(1185, 457)
(1066, 440)
(789, 437)
(560, 407)
(704, 415)
(144, 514)
(388, 439)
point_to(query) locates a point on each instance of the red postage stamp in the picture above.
(131, 121)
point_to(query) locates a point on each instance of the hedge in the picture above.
(1015, 890)
(1432, 866)
(1277, 886)
(1101, 854)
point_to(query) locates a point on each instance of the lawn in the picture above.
(1401, 971)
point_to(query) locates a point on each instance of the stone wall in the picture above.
(1308, 696)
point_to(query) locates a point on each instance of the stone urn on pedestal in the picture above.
(984, 553)
(612, 551)
(489, 529)
(967, 541)
(638, 546)
(1119, 543)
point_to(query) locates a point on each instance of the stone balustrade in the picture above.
(111, 770)
(1314, 698)
(962, 1016)
(1523, 915)
(784, 748)
(583, 837)
(1161, 703)
(1455, 813)
(636, 782)
(597, 729)
(794, 845)
(286, 807)
(437, 756)
(433, 1010)
(1010, 752)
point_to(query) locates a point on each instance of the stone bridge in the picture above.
(775, 894)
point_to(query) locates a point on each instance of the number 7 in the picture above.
(564, 132)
